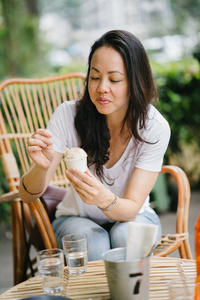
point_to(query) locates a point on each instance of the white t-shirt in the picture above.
(143, 156)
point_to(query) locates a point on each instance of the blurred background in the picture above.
(45, 37)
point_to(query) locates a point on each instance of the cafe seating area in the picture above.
(25, 105)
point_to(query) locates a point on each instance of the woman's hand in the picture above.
(40, 148)
(89, 188)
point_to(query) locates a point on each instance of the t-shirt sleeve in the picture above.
(61, 126)
(151, 154)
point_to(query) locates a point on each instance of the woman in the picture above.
(124, 136)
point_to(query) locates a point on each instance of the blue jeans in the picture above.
(100, 238)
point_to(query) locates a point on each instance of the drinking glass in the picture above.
(50, 267)
(75, 250)
(182, 288)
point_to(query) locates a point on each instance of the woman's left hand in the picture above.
(89, 188)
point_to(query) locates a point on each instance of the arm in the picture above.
(139, 187)
(45, 162)
(93, 192)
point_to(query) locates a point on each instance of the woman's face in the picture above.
(108, 82)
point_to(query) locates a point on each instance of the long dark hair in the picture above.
(90, 124)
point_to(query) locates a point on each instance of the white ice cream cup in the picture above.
(80, 163)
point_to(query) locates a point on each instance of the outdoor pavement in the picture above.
(167, 220)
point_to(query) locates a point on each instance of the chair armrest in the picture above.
(10, 196)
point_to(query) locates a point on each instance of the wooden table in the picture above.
(93, 284)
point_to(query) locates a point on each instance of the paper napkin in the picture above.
(141, 239)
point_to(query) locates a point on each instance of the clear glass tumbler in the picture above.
(50, 267)
(75, 250)
(182, 289)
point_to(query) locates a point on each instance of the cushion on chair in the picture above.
(51, 198)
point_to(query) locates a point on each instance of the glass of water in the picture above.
(183, 289)
(50, 267)
(75, 250)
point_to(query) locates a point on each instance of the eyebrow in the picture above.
(110, 72)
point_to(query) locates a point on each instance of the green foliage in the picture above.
(74, 66)
(186, 12)
(179, 89)
(5, 212)
(20, 51)
(4, 207)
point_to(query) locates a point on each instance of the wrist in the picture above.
(110, 206)
(42, 169)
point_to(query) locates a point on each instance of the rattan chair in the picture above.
(25, 105)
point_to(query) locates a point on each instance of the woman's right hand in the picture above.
(40, 148)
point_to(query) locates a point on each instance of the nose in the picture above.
(103, 86)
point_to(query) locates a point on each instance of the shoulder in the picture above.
(157, 135)
(67, 107)
(157, 127)
(156, 120)
(64, 115)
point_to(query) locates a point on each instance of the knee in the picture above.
(98, 242)
(98, 239)
(119, 235)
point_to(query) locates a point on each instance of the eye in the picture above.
(114, 81)
(94, 78)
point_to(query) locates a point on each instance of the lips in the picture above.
(103, 101)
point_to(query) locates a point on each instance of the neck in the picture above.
(114, 123)
(117, 133)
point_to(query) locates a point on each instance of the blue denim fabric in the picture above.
(99, 239)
